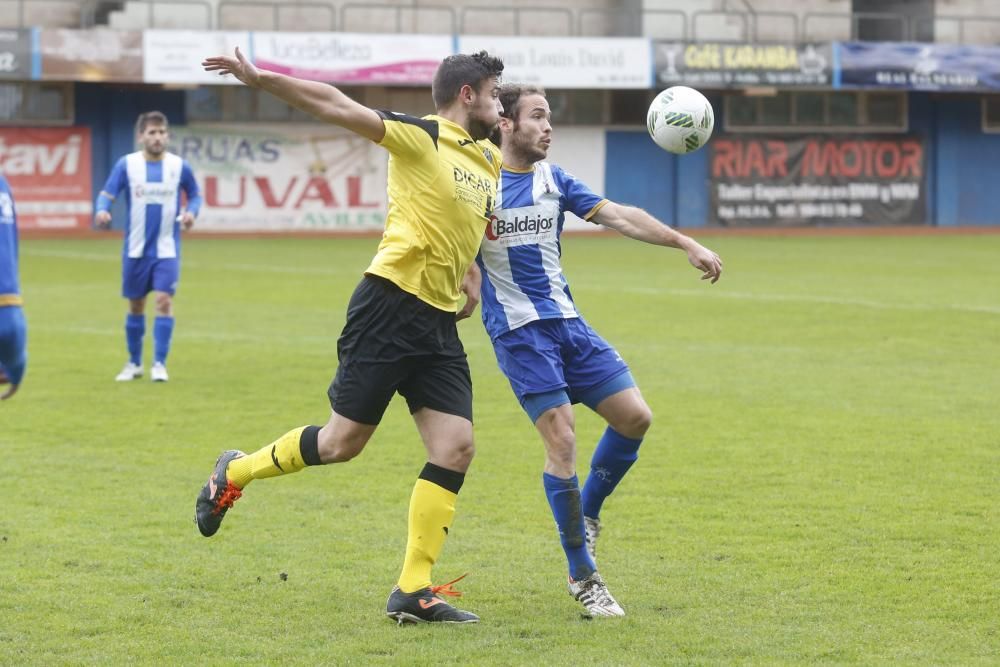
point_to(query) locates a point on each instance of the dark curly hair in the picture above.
(461, 70)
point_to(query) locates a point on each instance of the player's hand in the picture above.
(186, 219)
(471, 286)
(238, 66)
(706, 261)
(103, 219)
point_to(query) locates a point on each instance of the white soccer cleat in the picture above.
(593, 594)
(158, 373)
(593, 530)
(129, 373)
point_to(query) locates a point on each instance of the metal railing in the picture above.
(414, 13)
(738, 20)
(277, 10)
(153, 9)
(518, 13)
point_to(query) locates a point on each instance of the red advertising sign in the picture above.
(49, 174)
(818, 180)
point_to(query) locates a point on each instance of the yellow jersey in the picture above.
(442, 186)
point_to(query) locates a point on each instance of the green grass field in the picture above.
(820, 484)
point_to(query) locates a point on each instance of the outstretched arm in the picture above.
(637, 224)
(319, 100)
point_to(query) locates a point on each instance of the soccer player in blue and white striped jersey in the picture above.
(153, 180)
(13, 331)
(551, 356)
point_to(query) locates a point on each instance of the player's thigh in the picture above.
(165, 275)
(137, 277)
(530, 358)
(591, 363)
(439, 378)
(373, 352)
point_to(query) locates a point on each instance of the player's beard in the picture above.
(479, 129)
(529, 151)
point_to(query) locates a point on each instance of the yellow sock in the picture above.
(281, 457)
(432, 509)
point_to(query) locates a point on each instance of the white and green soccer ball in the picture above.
(680, 120)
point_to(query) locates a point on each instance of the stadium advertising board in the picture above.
(722, 65)
(285, 178)
(817, 180)
(91, 55)
(348, 58)
(49, 173)
(16, 54)
(568, 62)
(174, 56)
(914, 66)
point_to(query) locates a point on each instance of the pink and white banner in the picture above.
(285, 178)
(349, 58)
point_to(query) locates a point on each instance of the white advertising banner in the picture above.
(350, 58)
(569, 62)
(580, 150)
(285, 178)
(174, 56)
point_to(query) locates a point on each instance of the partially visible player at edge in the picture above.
(153, 180)
(543, 345)
(400, 334)
(13, 330)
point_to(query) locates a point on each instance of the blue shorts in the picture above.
(553, 362)
(142, 275)
(13, 342)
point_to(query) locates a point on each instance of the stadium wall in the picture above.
(967, 171)
(624, 165)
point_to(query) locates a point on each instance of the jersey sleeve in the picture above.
(576, 196)
(190, 187)
(408, 136)
(117, 181)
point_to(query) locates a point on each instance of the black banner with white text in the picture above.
(817, 180)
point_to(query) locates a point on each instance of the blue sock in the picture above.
(135, 328)
(564, 499)
(614, 455)
(163, 328)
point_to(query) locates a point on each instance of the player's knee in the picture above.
(463, 453)
(642, 420)
(341, 452)
(163, 303)
(635, 422)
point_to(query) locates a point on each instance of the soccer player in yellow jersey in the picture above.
(400, 334)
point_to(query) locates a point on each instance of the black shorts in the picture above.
(393, 342)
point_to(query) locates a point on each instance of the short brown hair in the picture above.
(149, 118)
(511, 94)
(461, 70)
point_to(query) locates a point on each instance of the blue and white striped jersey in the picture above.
(519, 255)
(9, 285)
(153, 201)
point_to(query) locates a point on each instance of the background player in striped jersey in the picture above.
(153, 180)
(400, 335)
(543, 345)
(13, 331)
